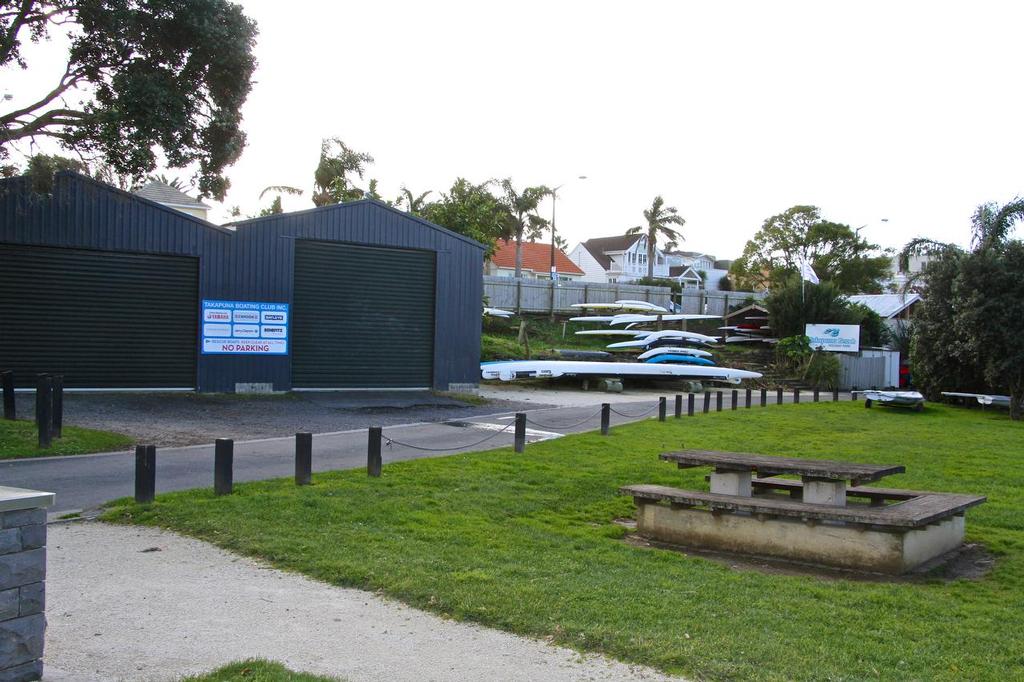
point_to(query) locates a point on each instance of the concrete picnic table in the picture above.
(824, 481)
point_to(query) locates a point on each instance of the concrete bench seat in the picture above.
(892, 539)
(920, 510)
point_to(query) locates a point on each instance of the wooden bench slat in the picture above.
(919, 511)
(768, 465)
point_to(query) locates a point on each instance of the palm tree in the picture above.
(658, 218)
(991, 225)
(414, 203)
(522, 217)
(278, 190)
(174, 182)
(990, 229)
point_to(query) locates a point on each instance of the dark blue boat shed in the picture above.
(118, 292)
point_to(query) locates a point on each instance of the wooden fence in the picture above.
(537, 296)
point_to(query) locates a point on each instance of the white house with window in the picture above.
(617, 259)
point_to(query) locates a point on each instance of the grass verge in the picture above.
(18, 440)
(527, 543)
(258, 670)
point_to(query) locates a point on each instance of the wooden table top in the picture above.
(772, 466)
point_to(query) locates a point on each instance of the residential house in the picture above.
(536, 262)
(162, 193)
(696, 270)
(617, 259)
(898, 276)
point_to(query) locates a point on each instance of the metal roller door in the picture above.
(363, 317)
(102, 319)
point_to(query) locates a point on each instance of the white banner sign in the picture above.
(244, 327)
(834, 337)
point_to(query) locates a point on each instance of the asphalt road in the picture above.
(84, 482)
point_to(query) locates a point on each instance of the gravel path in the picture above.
(175, 419)
(128, 603)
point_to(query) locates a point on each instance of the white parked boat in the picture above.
(911, 399)
(982, 398)
(550, 369)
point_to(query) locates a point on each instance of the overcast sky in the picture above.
(733, 111)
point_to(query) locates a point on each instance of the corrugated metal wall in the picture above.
(254, 263)
(870, 368)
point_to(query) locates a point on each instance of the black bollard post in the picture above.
(747, 401)
(44, 410)
(853, 394)
(606, 417)
(145, 473)
(520, 431)
(816, 393)
(835, 395)
(778, 396)
(58, 405)
(764, 397)
(223, 465)
(662, 408)
(303, 458)
(718, 401)
(735, 399)
(796, 395)
(373, 456)
(707, 402)
(7, 379)
(679, 406)
(689, 405)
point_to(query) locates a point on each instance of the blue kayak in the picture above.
(680, 359)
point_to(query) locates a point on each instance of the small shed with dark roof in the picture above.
(114, 290)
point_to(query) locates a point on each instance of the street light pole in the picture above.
(554, 268)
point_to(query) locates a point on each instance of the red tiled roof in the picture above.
(536, 257)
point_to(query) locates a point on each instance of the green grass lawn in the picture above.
(527, 543)
(18, 439)
(256, 670)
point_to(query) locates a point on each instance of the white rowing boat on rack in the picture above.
(551, 369)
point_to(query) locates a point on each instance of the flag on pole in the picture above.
(807, 272)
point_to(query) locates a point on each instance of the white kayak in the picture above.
(612, 332)
(895, 398)
(982, 398)
(550, 369)
(498, 312)
(673, 350)
(634, 317)
(624, 306)
(668, 335)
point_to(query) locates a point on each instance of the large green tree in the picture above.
(522, 219)
(791, 305)
(837, 253)
(658, 220)
(967, 329)
(471, 210)
(142, 77)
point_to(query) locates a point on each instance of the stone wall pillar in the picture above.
(22, 582)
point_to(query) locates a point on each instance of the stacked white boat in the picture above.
(751, 329)
(672, 353)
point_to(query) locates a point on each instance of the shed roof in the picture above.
(536, 257)
(274, 218)
(886, 305)
(162, 193)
